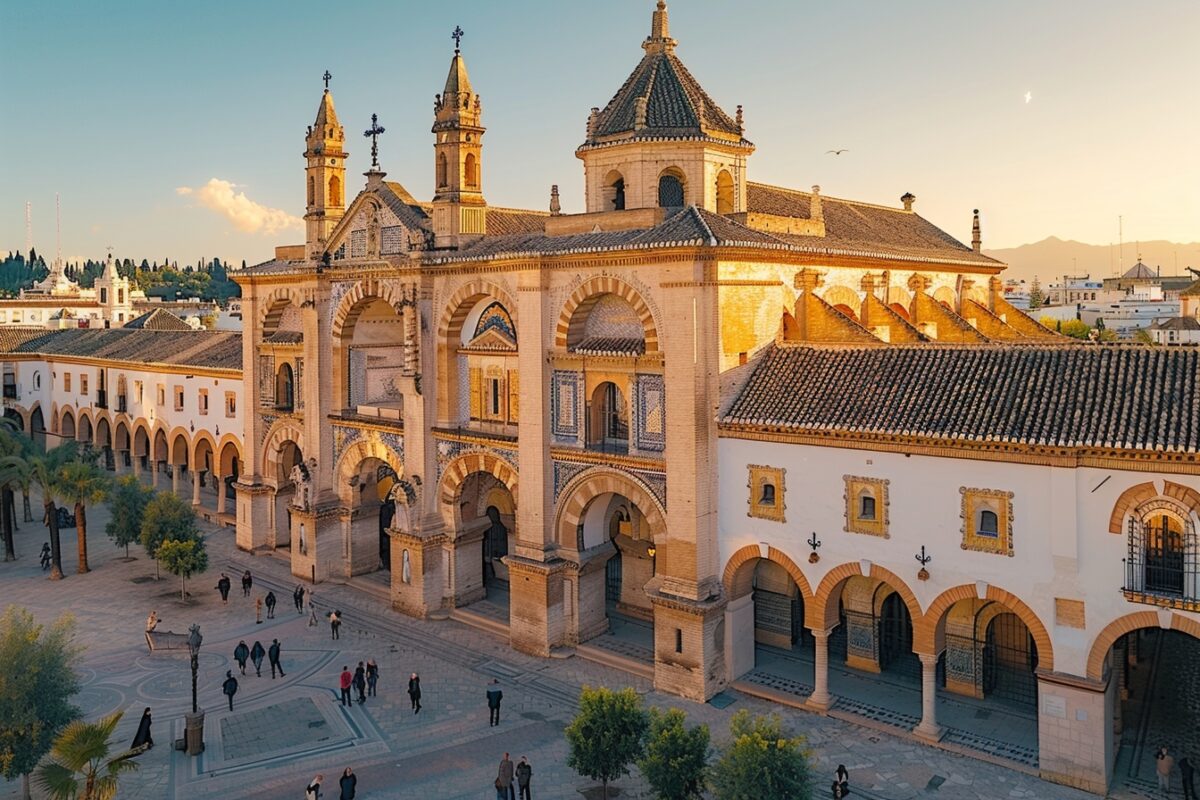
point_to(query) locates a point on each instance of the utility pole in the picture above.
(28, 227)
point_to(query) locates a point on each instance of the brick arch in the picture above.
(1130, 499)
(283, 431)
(1127, 624)
(593, 483)
(202, 437)
(102, 424)
(60, 416)
(591, 290)
(839, 295)
(173, 437)
(821, 614)
(456, 308)
(356, 299)
(227, 440)
(468, 464)
(352, 457)
(84, 415)
(1186, 496)
(739, 571)
(925, 640)
(272, 306)
(454, 314)
(145, 428)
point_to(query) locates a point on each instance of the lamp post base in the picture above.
(194, 733)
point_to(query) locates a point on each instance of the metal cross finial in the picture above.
(326, 78)
(457, 37)
(374, 132)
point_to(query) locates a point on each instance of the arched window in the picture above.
(471, 171)
(335, 191)
(1163, 540)
(767, 498)
(670, 191)
(312, 190)
(866, 507)
(724, 192)
(989, 523)
(285, 388)
(441, 170)
(618, 199)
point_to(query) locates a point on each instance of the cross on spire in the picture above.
(374, 132)
(326, 78)
(457, 37)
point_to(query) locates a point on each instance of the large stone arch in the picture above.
(102, 436)
(454, 315)
(352, 457)
(203, 438)
(597, 481)
(739, 570)
(927, 638)
(823, 615)
(85, 415)
(357, 297)
(459, 305)
(284, 430)
(1128, 624)
(179, 442)
(596, 287)
(142, 430)
(227, 441)
(64, 415)
(272, 306)
(467, 464)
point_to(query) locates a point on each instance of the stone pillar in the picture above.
(739, 636)
(118, 458)
(536, 604)
(820, 700)
(688, 634)
(1076, 742)
(928, 729)
(175, 479)
(464, 560)
(421, 593)
(154, 474)
(195, 487)
(194, 733)
(253, 515)
(220, 495)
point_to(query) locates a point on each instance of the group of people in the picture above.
(255, 654)
(513, 779)
(224, 585)
(1164, 763)
(841, 783)
(363, 680)
(347, 786)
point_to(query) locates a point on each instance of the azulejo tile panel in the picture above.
(650, 413)
(565, 389)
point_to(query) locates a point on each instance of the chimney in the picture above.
(555, 207)
(591, 124)
(976, 241)
(739, 119)
(908, 198)
(815, 212)
(639, 113)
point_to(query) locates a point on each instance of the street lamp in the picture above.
(194, 729)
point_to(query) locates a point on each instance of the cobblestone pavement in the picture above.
(283, 731)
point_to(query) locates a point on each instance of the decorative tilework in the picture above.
(765, 485)
(649, 412)
(394, 442)
(564, 471)
(974, 503)
(343, 437)
(448, 450)
(564, 405)
(856, 488)
(392, 238)
(358, 244)
(267, 421)
(336, 292)
(495, 317)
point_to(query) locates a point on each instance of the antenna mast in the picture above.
(1120, 243)
(28, 227)
(58, 228)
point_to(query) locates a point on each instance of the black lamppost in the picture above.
(195, 721)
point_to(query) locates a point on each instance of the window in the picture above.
(204, 401)
(766, 492)
(83, 383)
(103, 296)
(179, 398)
(471, 171)
(161, 395)
(866, 505)
(987, 517)
(679, 640)
(312, 191)
(37, 380)
(230, 404)
(441, 170)
(137, 392)
(335, 191)
(724, 192)
(670, 191)
(66, 381)
(121, 299)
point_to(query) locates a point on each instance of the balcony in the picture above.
(101, 398)
(122, 404)
(1164, 577)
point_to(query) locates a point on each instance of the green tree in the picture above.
(183, 557)
(1075, 328)
(80, 483)
(1036, 299)
(127, 504)
(675, 763)
(166, 517)
(41, 470)
(82, 766)
(762, 761)
(607, 734)
(38, 683)
(11, 444)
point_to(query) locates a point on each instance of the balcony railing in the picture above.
(122, 403)
(1161, 567)
(101, 398)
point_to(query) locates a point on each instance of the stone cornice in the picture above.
(607, 459)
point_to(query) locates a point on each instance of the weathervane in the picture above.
(457, 37)
(326, 78)
(374, 132)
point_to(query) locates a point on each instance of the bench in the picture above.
(156, 640)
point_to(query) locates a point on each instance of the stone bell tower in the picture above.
(325, 173)
(458, 205)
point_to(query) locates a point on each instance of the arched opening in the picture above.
(608, 419)
(84, 434)
(670, 189)
(229, 469)
(66, 428)
(484, 533)
(37, 428)
(312, 191)
(372, 359)
(335, 191)
(471, 171)
(103, 442)
(478, 351)
(442, 172)
(901, 310)
(606, 324)
(204, 469)
(285, 388)
(287, 459)
(766, 624)
(365, 495)
(725, 203)
(179, 461)
(122, 395)
(142, 457)
(614, 191)
(1163, 560)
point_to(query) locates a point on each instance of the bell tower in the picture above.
(458, 205)
(325, 173)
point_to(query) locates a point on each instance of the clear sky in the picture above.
(176, 128)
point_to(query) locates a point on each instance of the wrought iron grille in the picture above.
(1161, 565)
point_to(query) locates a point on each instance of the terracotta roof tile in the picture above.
(211, 349)
(158, 320)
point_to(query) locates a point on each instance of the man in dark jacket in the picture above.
(1189, 778)
(256, 655)
(247, 582)
(223, 586)
(229, 687)
(240, 654)
(298, 598)
(270, 601)
(360, 682)
(494, 696)
(504, 779)
(524, 773)
(273, 657)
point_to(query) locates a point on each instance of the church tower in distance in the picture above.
(458, 206)
(325, 174)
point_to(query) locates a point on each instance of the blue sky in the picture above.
(117, 105)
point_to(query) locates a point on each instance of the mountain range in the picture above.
(1051, 258)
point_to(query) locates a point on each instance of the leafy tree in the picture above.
(607, 734)
(675, 763)
(42, 470)
(80, 483)
(1036, 300)
(166, 517)
(127, 503)
(761, 761)
(183, 557)
(35, 694)
(1075, 328)
(1142, 336)
(81, 765)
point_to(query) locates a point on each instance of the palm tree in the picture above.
(82, 482)
(81, 767)
(41, 471)
(10, 445)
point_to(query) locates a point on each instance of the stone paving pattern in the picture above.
(273, 744)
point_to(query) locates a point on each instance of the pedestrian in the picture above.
(258, 611)
(1189, 776)
(835, 791)
(372, 676)
(335, 624)
(229, 687)
(247, 582)
(347, 681)
(347, 783)
(524, 773)
(256, 655)
(494, 696)
(842, 776)
(152, 622)
(313, 790)
(223, 587)
(298, 598)
(360, 682)
(240, 654)
(414, 692)
(270, 605)
(312, 609)
(143, 737)
(1163, 764)
(273, 657)
(45, 557)
(504, 779)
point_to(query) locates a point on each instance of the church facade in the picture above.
(746, 416)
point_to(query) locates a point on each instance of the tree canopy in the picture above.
(80, 767)
(607, 734)
(675, 763)
(126, 505)
(762, 761)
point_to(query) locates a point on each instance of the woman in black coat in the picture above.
(257, 653)
(143, 736)
(240, 654)
(414, 692)
(348, 783)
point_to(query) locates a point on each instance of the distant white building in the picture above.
(1178, 330)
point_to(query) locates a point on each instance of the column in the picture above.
(820, 700)
(928, 729)
(118, 458)
(220, 479)
(175, 478)
(154, 474)
(195, 487)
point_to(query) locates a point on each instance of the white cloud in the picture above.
(245, 214)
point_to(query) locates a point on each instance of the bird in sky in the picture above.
(837, 152)
(1028, 97)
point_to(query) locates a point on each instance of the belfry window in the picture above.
(618, 200)
(670, 191)
(335, 191)
(471, 171)
(767, 498)
(441, 170)
(866, 507)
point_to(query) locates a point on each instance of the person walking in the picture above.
(240, 654)
(524, 773)
(143, 737)
(247, 582)
(273, 657)
(360, 682)
(347, 680)
(504, 779)
(372, 676)
(312, 609)
(494, 696)
(1163, 763)
(348, 783)
(270, 601)
(842, 776)
(152, 622)
(256, 655)
(335, 624)
(313, 790)
(414, 692)
(298, 598)
(1189, 777)
(229, 687)
(223, 587)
